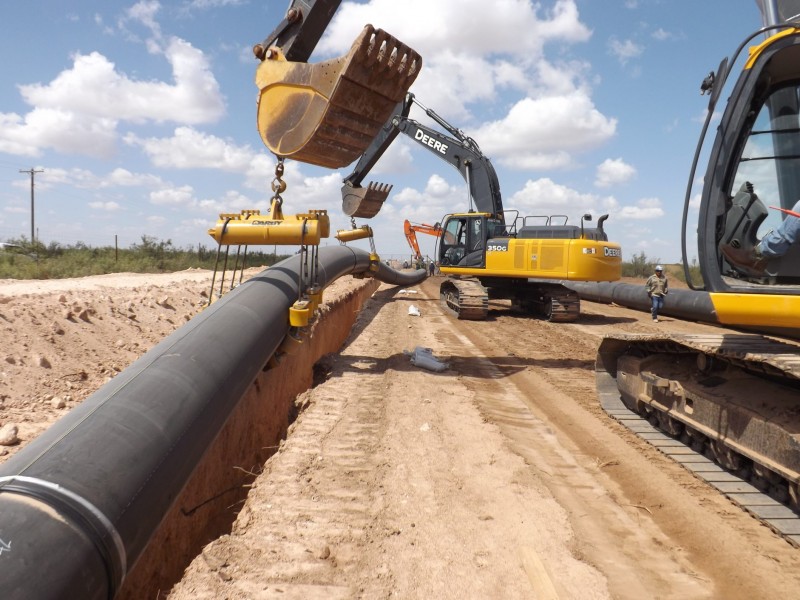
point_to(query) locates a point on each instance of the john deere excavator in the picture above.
(734, 397)
(487, 252)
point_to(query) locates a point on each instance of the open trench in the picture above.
(156, 461)
(216, 491)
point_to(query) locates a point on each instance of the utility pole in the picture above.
(32, 172)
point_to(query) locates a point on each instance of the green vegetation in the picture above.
(642, 267)
(21, 259)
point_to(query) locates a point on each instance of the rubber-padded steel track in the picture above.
(742, 422)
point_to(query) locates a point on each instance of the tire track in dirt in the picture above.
(318, 501)
(391, 484)
(709, 535)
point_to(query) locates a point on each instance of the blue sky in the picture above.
(141, 115)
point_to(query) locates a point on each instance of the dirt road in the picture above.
(497, 478)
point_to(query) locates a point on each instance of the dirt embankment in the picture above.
(64, 338)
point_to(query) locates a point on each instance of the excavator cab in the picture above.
(753, 175)
(328, 113)
(464, 239)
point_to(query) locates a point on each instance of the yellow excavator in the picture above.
(489, 252)
(734, 397)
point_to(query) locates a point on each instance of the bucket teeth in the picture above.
(327, 114)
(364, 203)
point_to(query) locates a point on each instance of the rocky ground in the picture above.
(63, 338)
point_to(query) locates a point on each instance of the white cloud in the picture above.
(106, 206)
(144, 12)
(510, 27)
(84, 179)
(427, 206)
(64, 131)
(541, 133)
(546, 197)
(613, 171)
(646, 208)
(94, 88)
(173, 196)
(471, 59)
(624, 50)
(661, 35)
(79, 111)
(206, 4)
(192, 149)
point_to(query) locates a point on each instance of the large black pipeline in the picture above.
(684, 304)
(79, 504)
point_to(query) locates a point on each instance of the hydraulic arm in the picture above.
(458, 149)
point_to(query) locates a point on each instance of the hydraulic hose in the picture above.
(79, 504)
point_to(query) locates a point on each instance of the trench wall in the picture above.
(208, 504)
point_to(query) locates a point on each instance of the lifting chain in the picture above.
(278, 184)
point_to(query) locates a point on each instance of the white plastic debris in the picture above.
(424, 358)
(405, 291)
(413, 311)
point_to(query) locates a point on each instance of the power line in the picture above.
(32, 172)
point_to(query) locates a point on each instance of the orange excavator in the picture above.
(411, 229)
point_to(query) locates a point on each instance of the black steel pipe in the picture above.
(79, 504)
(684, 304)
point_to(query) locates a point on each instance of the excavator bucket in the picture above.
(328, 113)
(364, 203)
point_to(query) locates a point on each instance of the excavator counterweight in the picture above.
(328, 113)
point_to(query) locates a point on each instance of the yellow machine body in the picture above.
(571, 260)
(775, 311)
(328, 113)
(559, 258)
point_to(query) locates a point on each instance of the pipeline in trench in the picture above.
(110, 500)
(218, 487)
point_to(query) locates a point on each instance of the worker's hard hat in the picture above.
(659, 268)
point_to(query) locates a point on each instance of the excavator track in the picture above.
(723, 406)
(564, 305)
(553, 302)
(465, 299)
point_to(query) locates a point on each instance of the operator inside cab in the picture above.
(463, 241)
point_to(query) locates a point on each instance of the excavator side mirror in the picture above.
(713, 84)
